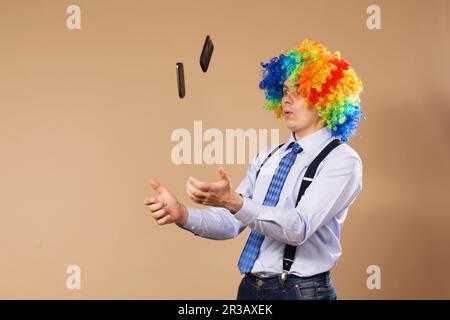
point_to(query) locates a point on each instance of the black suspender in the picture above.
(265, 160)
(289, 251)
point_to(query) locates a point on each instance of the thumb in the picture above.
(156, 186)
(223, 175)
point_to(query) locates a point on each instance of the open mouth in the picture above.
(287, 113)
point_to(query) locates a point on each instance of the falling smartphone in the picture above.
(180, 80)
(205, 57)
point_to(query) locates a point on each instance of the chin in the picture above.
(291, 124)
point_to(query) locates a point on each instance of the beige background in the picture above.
(86, 118)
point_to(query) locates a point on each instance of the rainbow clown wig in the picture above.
(325, 80)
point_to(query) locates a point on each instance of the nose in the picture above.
(287, 99)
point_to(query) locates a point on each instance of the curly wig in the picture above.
(325, 80)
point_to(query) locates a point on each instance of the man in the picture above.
(296, 209)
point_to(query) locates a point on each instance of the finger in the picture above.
(148, 201)
(194, 198)
(203, 186)
(156, 186)
(223, 175)
(160, 213)
(196, 192)
(157, 206)
(164, 220)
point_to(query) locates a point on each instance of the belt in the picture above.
(258, 280)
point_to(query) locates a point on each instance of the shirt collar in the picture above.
(312, 141)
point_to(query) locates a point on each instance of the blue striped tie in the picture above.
(254, 241)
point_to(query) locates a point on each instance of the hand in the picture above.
(216, 194)
(165, 208)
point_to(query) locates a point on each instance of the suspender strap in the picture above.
(265, 160)
(289, 251)
(312, 168)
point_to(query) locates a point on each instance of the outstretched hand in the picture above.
(216, 194)
(164, 207)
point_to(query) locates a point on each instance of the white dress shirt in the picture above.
(314, 225)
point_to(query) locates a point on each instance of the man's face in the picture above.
(297, 114)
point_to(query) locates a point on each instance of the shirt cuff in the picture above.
(249, 212)
(194, 221)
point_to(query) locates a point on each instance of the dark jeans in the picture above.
(318, 287)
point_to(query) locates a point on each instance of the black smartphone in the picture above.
(205, 57)
(180, 80)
